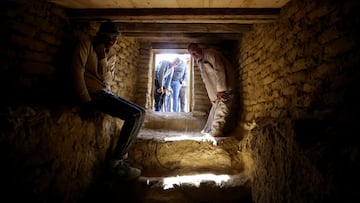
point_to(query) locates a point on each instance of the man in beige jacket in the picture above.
(218, 76)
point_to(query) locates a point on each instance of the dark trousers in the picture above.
(158, 97)
(132, 114)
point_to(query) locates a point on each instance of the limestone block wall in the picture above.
(49, 152)
(144, 87)
(126, 80)
(298, 78)
(297, 66)
(32, 51)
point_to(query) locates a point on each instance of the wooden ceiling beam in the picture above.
(169, 35)
(181, 47)
(183, 27)
(184, 37)
(172, 15)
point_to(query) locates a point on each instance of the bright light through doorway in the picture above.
(187, 60)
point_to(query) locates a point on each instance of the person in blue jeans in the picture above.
(183, 88)
(163, 74)
(168, 101)
(176, 81)
(92, 68)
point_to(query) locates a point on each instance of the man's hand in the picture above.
(223, 96)
(160, 90)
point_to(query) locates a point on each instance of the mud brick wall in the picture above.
(298, 78)
(49, 152)
(144, 93)
(32, 44)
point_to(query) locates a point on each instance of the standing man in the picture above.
(183, 87)
(218, 77)
(163, 74)
(176, 82)
(93, 68)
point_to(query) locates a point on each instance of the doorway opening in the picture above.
(179, 89)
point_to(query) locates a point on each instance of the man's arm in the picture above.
(183, 78)
(168, 78)
(219, 65)
(78, 69)
(163, 72)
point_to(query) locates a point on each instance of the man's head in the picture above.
(108, 33)
(176, 61)
(195, 51)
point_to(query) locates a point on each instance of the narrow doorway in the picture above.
(184, 84)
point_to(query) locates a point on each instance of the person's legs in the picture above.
(209, 122)
(221, 114)
(167, 103)
(162, 98)
(132, 114)
(182, 95)
(232, 117)
(157, 97)
(175, 85)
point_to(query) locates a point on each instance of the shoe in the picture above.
(124, 171)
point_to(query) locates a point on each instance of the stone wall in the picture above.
(146, 82)
(298, 78)
(297, 66)
(49, 152)
(127, 77)
(33, 53)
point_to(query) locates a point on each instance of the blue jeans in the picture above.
(167, 103)
(182, 97)
(132, 114)
(175, 86)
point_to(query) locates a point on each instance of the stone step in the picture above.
(183, 121)
(179, 165)
(171, 153)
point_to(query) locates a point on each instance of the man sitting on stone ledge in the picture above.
(93, 68)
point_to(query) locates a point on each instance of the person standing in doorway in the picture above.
(176, 82)
(183, 86)
(218, 77)
(163, 74)
(93, 67)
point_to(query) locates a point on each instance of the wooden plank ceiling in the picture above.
(177, 21)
